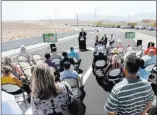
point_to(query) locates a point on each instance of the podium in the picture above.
(139, 43)
(52, 47)
(82, 43)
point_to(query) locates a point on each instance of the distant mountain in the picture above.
(137, 17)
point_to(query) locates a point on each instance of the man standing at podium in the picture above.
(82, 40)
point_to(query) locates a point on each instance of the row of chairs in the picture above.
(25, 66)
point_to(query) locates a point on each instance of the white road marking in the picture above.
(86, 75)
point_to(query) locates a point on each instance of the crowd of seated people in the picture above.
(48, 93)
(46, 86)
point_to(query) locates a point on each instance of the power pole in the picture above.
(95, 18)
(77, 19)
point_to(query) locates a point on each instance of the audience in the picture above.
(16, 71)
(114, 64)
(55, 55)
(132, 95)
(48, 61)
(66, 58)
(150, 58)
(24, 52)
(48, 97)
(9, 78)
(143, 72)
(99, 45)
(100, 56)
(68, 73)
(151, 47)
(73, 53)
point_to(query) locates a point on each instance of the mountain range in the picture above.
(137, 17)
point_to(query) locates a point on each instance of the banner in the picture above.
(50, 38)
(129, 35)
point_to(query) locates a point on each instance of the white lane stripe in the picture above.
(86, 75)
(38, 46)
(88, 72)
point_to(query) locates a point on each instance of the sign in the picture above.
(129, 35)
(50, 38)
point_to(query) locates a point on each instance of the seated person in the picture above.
(16, 71)
(99, 45)
(24, 52)
(120, 45)
(143, 73)
(73, 53)
(66, 58)
(8, 78)
(151, 47)
(55, 55)
(99, 56)
(48, 61)
(68, 73)
(150, 58)
(52, 64)
(114, 64)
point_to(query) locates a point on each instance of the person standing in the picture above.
(112, 41)
(104, 40)
(132, 96)
(82, 40)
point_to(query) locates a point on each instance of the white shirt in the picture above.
(9, 105)
(99, 45)
(98, 34)
(112, 39)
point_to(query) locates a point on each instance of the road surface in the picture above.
(96, 97)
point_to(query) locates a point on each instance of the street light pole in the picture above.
(95, 14)
(95, 17)
(77, 19)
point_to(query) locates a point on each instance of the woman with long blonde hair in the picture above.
(48, 97)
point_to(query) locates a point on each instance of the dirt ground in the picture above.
(20, 30)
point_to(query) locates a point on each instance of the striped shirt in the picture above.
(129, 97)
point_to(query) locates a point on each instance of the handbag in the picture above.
(76, 107)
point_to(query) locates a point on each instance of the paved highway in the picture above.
(30, 41)
(95, 95)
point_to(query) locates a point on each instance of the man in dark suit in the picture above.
(104, 40)
(82, 40)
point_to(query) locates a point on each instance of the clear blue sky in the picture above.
(36, 10)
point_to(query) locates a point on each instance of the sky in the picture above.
(38, 10)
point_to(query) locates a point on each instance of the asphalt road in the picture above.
(95, 95)
(13, 44)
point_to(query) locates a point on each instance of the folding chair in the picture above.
(22, 59)
(36, 57)
(24, 65)
(74, 84)
(98, 68)
(39, 61)
(28, 74)
(12, 88)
